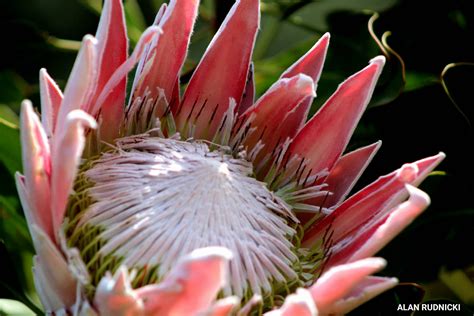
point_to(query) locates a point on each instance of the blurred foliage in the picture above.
(420, 106)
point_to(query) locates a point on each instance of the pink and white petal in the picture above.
(177, 22)
(160, 14)
(51, 301)
(191, 287)
(365, 290)
(312, 62)
(36, 158)
(122, 71)
(345, 174)
(378, 233)
(144, 58)
(82, 81)
(323, 139)
(301, 303)
(115, 295)
(51, 98)
(112, 42)
(223, 307)
(222, 72)
(267, 117)
(56, 282)
(112, 51)
(66, 155)
(339, 281)
(371, 203)
(248, 97)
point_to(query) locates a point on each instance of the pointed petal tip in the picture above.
(43, 72)
(410, 171)
(379, 61)
(369, 265)
(439, 157)
(89, 40)
(376, 263)
(26, 106)
(324, 41)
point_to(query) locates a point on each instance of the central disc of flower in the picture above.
(153, 200)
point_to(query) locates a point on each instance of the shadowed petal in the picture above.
(37, 171)
(345, 174)
(319, 142)
(81, 83)
(112, 51)
(248, 97)
(177, 21)
(115, 295)
(112, 43)
(312, 62)
(67, 151)
(52, 276)
(51, 98)
(339, 281)
(364, 291)
(222, 72)
(122, 71)
(377, 233)
(371, 203)
(269, 118)
(191, 287)
(301, 303)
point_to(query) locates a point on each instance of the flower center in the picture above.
(152, 200)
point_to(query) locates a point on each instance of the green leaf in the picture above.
(13, 228)
(10, 148)
(135, 20)
(93, 5)
(418, 80)
(14, 308)
(13, 88)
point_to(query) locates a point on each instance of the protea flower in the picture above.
(194, 204)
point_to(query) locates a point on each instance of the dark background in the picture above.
(412, 112)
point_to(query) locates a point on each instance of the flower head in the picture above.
(161, 204)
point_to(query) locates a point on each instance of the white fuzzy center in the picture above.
(158, 199)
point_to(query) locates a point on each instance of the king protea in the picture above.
(200, 202)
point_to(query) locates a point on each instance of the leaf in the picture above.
(460, 283)
(418, 80)
(13, 88)
(14, 308)
(13, 227)
(8, 116)
(93, 5)
(10, 149)
(135, 20)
